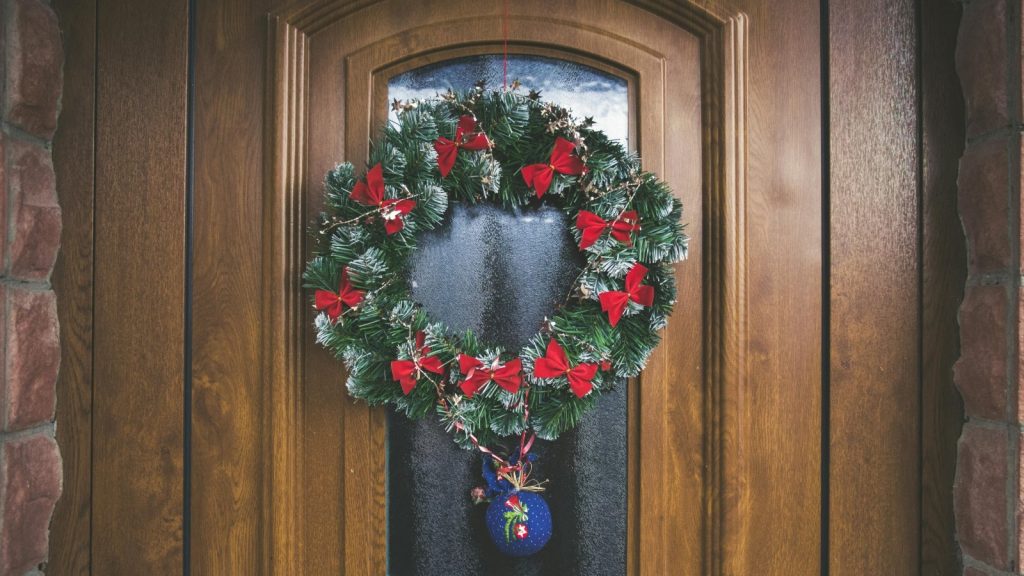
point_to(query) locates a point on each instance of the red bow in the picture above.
(555, 364)
(563, 161)
(614, 301)
(593, 226)
(507, 375)
(371, 193)
(334, 303)
(408, 371)
(466, 137)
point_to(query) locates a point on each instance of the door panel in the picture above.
(669, 473)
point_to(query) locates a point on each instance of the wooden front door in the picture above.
(329, 79)
(745, 432)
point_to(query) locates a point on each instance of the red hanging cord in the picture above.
(504, 62)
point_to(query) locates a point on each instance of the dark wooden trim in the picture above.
(188, 320)
(944, 268)
(74, 162)
(826, 288)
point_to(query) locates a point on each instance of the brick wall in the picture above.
(987, 492)
(30, 468)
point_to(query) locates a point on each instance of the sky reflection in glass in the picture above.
(584, 90)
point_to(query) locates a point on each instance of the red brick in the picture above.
(981, 62)
(980, 495)
(36, 216)
(30, 488)
(3, 208)
(33, 357)
(973, 572)
(3, 353)
(983, 200)
(1020, 500)
(981, 371)
(34, 62)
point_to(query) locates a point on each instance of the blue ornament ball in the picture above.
(519, 523)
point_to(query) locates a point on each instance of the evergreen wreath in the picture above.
(513, 150)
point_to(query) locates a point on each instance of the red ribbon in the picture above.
(522, 466)
(524, 444)
(563, 161)
(466, 137)
(461, 428)
(407, 372)
(614, 301)
(371, 193)
(555, 364)
(334, 302)
(592, 226)
(507, 375)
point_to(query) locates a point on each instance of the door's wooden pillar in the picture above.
(874, 341)
(139, 351)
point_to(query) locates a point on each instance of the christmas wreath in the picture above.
(514, 150)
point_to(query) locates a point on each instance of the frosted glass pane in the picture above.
(584, 90)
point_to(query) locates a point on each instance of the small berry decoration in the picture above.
(513, 150)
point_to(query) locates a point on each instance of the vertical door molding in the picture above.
(731, 358)
(282, 316)
(687, 483)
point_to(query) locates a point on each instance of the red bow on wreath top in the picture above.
(371, 193)
(563, 161)
(507, 375)
(334, 303)
(614, 301)
(592, 226)
(466, 137)
(555, 364)
(407, 372)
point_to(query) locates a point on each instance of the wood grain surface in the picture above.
(73, 152)
(139, 288)
(875, 419)
(229, 435)
(770, 521)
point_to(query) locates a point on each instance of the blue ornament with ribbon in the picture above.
(518, 518)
